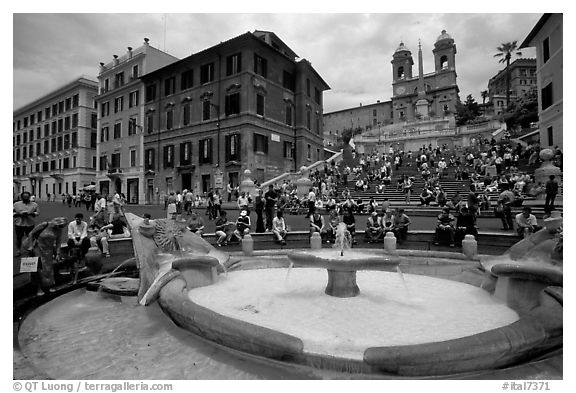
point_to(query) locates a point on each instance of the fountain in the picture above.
(443, 327)
(342, 268)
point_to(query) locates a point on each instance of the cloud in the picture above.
(351, 52)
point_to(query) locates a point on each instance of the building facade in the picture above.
(120, 147)
(522, 80)
(422, 102)
(246, 103)
(54, 141)
(546, 37)
(425, 95)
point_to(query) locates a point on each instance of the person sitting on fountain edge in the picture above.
(465, 224)
(401, 223)
(350, 222)
(78, 235)
(317, 223)
(279, 227)
(445, 227)
(243, 225)
(195, 223)
(331, 226)
(223, 230)
(526, 223)
(374, 231)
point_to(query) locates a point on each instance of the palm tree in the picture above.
(484, 95)
(505, 51)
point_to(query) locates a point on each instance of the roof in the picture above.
(534, 31)
(443, 36)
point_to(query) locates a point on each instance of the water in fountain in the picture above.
(403, 281)
(288, 273)
(343, 238)
(112, 272)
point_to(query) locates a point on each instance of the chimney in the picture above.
(102, 67)
(129, 52)
(146, 40)
(115, 61)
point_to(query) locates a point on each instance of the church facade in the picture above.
(417, 97)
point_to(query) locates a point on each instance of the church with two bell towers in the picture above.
(425, 95)
(416, 97)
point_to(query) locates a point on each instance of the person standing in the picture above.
(270, 198)
(229, 191)
(217, 197)
(259, 207)
(242, 202)
(311, 202)
(551, 192)
(24, 212)
(504, 207)
(407, 188)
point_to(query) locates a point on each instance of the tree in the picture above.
(484, 94)
(523, 111)
(505, 51)
(467, 111)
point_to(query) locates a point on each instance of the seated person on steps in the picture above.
(223, 230)
(401, 224)
(374, 231)
(526, 223)
(445, 227)
(279, 227)
(243, 224)
(98, 237)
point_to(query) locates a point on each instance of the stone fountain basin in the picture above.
(351, 261)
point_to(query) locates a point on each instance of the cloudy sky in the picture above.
(352, 52)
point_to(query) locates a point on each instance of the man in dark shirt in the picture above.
(465, 224)
(270, 197)
(350, 222)
(551, 192)
(445, 227)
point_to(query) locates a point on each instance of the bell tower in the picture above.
(402, 63)
(444, 53)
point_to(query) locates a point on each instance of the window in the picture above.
(93, 139)
(186, 114)
(67, 141)
(309, 152)
(207, 73)
(309, 119)
(288, 150)
(233, 64)
(546, 49)
(117, 130)
(18, 125)
(444, 62)
(103, 163)
(169, 156)
(106, 85)
(17, 154)
(105, 109)
(32, 119)
(54, 109)
(24, 153)
(53, 145)
(169, 119)
(132, 158)
(149, 163)
(47, 112)
(119, 79)
(31, 150)
(547, 97)
(46, 130)
(185, 153)
(317, 124)
(232, 143)
(318, 96)
(260, 66)
(75, 100)
(118, 104)
(115, 161)
(308, 87)
(260, 104)
(400, 73)
(104, 135)
(74, 141)
(93, 164)
(135, 73)
(133, 98)
(94, 120)
(18, 140)
(150, 92)
(39, 115)
(206, 110)
(187, 80)
(150, 123)
(24, 137)
(550, 137)
(59, 145)
(75, 120)
(132, 126)
(60, 125)
(288, 81)
(25, 122)
(46, 147)
(32, 134)
(205, 151)
(68, 103)
(61, 107)
(260, 143)
(169, 86)
(232, 104)
(67, 123)
(288, 119)
(45, 166)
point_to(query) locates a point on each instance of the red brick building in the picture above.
(246, 103)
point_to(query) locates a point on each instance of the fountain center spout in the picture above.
(343, 238)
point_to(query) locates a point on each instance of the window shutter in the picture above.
(210, 150)
(254, 139)
(238, 148)
(227, 147)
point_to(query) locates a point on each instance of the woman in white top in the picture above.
(279, 227)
